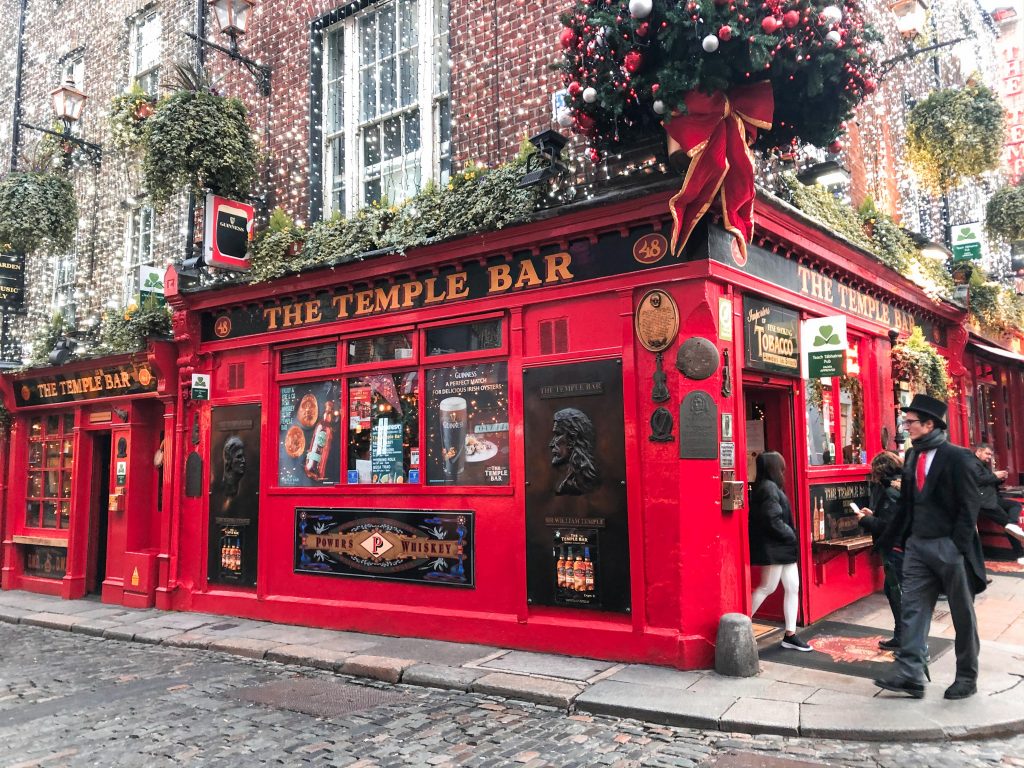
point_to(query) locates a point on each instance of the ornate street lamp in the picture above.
(68, 102)
(910, 16)
(233, 19)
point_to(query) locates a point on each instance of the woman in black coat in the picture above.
(773, 543)
(886, 471)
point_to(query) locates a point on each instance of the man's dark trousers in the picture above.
(932, 566)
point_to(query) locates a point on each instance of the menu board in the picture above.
(386, 452)
(309, 439)
(467, 427)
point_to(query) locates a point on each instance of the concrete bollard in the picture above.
(735, 648)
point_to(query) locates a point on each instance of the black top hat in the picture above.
(930, 407)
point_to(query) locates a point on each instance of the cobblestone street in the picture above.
(72, 700)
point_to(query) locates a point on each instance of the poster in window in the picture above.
(309, 440)
(467, 428)
(387, 452)
(360, 408)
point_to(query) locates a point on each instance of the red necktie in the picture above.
(920, 471)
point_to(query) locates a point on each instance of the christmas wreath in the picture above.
(719, 76)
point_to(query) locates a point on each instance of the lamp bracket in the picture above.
(887, 66)
(260, 72)
(95, 151)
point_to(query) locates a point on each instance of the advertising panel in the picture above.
(309, 435)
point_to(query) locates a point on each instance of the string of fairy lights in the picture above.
(496, 100)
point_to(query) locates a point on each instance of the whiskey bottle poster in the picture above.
(467, 425)
(234, 494)
(309, 435)
(832, 502)
(576, 485)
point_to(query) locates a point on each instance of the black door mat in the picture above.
(848, 649)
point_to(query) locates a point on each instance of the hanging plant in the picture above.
(38, 205)
(1004, 214)
(278, 249)
(955, 134)
(128, 114)
(918, 363)
(197, 140)
(994, 307)
(128, 329)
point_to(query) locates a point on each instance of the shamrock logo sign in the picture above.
(153, 281)
(825, 336)
(966, 233)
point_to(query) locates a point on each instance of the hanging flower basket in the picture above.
(1004, 214)
(918, 363)
(197, 140)
(955, 134)
(36, 208)
(717, 77)
(128, 114)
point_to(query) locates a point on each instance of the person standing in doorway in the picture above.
(936, 523)
(886, 471)
(773, 543)
(1002, 512)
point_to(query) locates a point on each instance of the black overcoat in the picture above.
(951, 494)
(772, 535)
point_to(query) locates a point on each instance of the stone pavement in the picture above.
(782, 700)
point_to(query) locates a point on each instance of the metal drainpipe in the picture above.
(18, 63)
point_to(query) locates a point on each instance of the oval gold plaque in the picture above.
(657, 320)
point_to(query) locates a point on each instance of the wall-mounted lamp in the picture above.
(829, 174)
(545, 163)
(929, 249)
(233, 19)
(68, 102)
(910, 16)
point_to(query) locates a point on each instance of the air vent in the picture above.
(236, 376)
(554, 336)
(309, 358)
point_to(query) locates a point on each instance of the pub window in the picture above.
(378, 349)
(50, 459)
(309, 358)
(138, 251)
(383, 428)
(835, 417)
(466, 337)
(309, 439)
(144, 44)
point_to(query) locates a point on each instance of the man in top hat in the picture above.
(936, 524)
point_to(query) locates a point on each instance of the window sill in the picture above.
(40, 541)
(396, 489)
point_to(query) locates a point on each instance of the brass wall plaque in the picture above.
(697, 358)
(656, 321)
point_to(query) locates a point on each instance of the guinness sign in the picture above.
(228, 231)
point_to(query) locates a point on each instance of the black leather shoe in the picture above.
(901, 685)
(892, 644)
(961, 689)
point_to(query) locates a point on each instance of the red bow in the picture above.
(716, 133)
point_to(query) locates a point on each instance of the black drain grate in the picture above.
(320, 698)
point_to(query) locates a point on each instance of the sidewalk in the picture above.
(783, 699)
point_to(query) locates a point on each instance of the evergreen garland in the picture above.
(628, 64)
(955, 134)
(129, 329)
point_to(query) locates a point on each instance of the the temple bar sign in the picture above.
(228, 231)
(109, 381)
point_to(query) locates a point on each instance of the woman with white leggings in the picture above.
(773, 544)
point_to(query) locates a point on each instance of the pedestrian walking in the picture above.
(1002, 512)
(936, 523)
(773, 543)
(886, 472)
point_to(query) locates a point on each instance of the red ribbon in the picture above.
(716, 133)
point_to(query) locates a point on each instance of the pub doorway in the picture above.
(99, 514)
(768, 416)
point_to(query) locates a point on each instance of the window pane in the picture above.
(309, 435)
(368, 111)
(65, 485)
(383, 445)
(375, 349)
(448, 340)
(851, 403)
(821, 444)
(50, 485)
(392, 138)
(32, 513)
(412, 132)
(51, 454)
(49, 514)
(410, 31)
(65, 514)
(386, 28)
(52, 425)
(35, 455)
(371, 191)
(367, 40)
(409, 78)
(388, 86)
(371, 146)
(35, 485)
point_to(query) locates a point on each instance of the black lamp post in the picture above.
(233, 19)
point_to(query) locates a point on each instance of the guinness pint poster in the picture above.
(577, 537)
(467, 428)
(309, 438)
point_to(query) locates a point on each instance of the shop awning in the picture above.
(1004, 353)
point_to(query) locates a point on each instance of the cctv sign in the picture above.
(228, 232)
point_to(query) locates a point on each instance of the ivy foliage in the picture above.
(1004, 214)
(477, 199)
(916, 361)
(197, 140)
(993, 306)
(37, 207)
(127, 330)
(44, 339)
(955, 134)
(128, 114)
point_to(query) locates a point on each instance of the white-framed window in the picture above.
(138, 251)
(64, 285)
(144, 49)
(386, 116)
